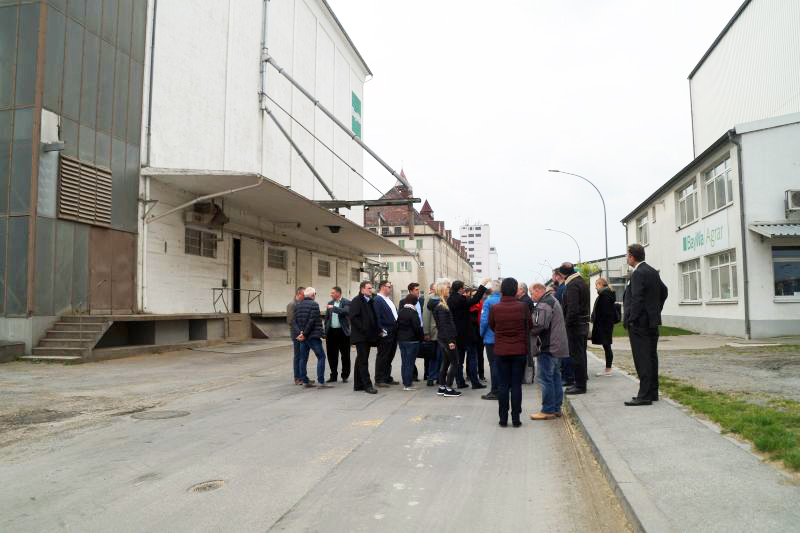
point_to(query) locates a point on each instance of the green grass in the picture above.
(773, 428)
(664, 331)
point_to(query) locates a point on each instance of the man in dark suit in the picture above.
(576, 317)
(364, 334)
(337, 335)
(386, 312)
(413, 288)
(643, 301)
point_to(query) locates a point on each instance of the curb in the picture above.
(639, 508)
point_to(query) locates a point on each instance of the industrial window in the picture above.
(398, 230)
(84, 192)
(690, 281)
(385, 231)
(719, 187)
(723, 275)
(687, 204)
(200, 243)
(324, 268)
(404, 266)
(277, 258)
(355, 274)
(419, 244)
(786, 269)
(642, 236)
(401, 243)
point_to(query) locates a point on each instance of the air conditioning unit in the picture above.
(205, 214)
(793, 201)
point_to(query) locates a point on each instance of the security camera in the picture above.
(334, 229)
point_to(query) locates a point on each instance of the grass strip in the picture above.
(664, 331)
(774, 428)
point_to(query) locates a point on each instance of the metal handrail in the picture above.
(253, 295)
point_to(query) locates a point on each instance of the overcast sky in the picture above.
(477, 100)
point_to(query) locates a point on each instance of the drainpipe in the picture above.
(145, 212)
(264, 55)
(150, 86)
(735, 140)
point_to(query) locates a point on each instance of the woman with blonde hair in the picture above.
(446, 337)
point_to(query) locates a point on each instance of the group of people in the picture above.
(521, 329)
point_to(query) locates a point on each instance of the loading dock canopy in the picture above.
(772, 230)
(293, 214)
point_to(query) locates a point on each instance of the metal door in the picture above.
(100, 270)
(112, 271)
(303, 268)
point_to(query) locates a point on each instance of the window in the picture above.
(355, 275)
(723, 275)
(398, 230)
(374, 230)
(385, 231)
(471, 249)
(786, 269)
(687, 204)
(641, 230)
(324, 268)
(470, 242)
(477, 234)
(690, 280)
(477, 262)
(419, 244)
(478, 270)
(200, 243)
(401, 243)
(390, 267)
(471, 256)
(277, 258)
(719, 189)
(404, 266)
(471, 235)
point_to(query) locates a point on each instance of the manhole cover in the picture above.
(159, 415)
(206, 486)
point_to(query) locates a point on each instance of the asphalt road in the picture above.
(74, 455)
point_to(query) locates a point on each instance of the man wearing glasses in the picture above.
(387, 343)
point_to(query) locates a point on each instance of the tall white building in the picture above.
(482, 255)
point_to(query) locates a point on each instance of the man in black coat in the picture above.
(643, 301)
(466, 341)
(364, 334)
(576, 318)
(337, 334)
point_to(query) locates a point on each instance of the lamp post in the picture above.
(605, 218)
(571, 237)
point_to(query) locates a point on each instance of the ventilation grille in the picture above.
(84, 192)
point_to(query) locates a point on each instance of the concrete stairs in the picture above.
(70, 340)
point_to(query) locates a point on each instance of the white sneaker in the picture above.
(409, 388)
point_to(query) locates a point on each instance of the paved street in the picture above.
(77, 454)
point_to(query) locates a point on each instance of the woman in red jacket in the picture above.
(511, 322)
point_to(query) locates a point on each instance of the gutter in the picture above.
(735, 139)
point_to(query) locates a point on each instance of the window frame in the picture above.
(272, 252)
(686, 275)
(788, 259)
(727, 182)
(642, 222)
(682, 199)
(732, 273)
(206, 243)
(320, 263)
(404, 266)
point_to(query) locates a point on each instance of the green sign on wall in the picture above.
(356, 115)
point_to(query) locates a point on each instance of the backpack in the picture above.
(617, 312)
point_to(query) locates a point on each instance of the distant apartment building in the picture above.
(482, 255)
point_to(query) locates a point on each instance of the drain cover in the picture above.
(159, 415)
(206, 486)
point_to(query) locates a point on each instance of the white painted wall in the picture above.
(753, 73)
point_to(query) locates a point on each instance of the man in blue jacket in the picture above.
(386, 312)
(488, 338)
(308, 321)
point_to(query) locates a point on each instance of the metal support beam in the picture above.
(337, 204)
(202, 199)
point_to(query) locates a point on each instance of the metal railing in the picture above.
(218, 296)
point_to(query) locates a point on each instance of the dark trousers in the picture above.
(510, 369)
(492, 366)
(436, 363)
(609, 355)
(449, 368)
(338, 344)
(467, 352)
(480, 345)
(567, 371)
(644, 345)
(577, 352)
(361, 379)
(387, 346)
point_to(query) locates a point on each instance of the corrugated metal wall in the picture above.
(753, 73)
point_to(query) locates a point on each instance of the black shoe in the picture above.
(503, 423)
(430, 383)
(574, 390)
(651, 399)
(332, 379)
(478, 386)
(635, 402)
(489, 396)
(463, 386)
(568, 384)
(371, 390)
(516, 423)
(442, 389)
(450, 393)
(382, 385)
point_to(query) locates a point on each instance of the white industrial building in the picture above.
(476, 238)
(724, 232)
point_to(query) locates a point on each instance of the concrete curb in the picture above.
(640, 509)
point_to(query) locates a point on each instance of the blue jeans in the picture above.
(296, 360)
(550, 380)
(315, 345)
(408, 356)
(467, 351)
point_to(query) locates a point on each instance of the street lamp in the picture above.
(605, 218)
(571, 237)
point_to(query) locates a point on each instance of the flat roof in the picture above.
(719, 37)
(346, 36)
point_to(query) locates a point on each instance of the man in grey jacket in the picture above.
(551, 345)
